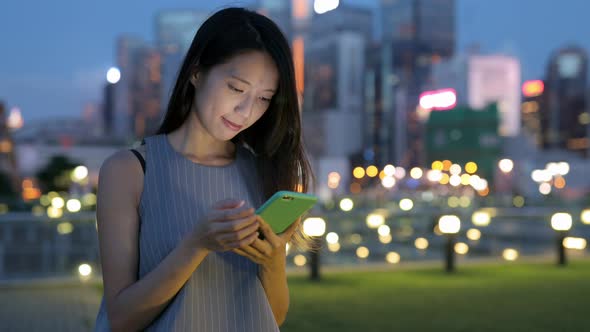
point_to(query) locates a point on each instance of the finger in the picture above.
(235, 225)
(269, 234)
(232, 214)
(245, 254)
(244, 242)
(254, 251)
(239, 235)
(288, 233)
(229, 203)
(263, 247)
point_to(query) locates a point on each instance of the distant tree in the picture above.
(55, 176)
(6, 187)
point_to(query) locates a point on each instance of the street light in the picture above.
(450, 226)
(314, 228)
(561, 222)
(585, 216)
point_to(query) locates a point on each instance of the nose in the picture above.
(245, 106)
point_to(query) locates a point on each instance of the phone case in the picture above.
(284, 208)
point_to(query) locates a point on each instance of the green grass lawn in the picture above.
(508, 297)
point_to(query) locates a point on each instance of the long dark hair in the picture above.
(276, 137)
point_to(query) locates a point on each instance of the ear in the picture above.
(195, 79)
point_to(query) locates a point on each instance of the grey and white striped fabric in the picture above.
(224, 293)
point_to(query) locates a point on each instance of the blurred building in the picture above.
(415, 34)
(137, 94)
(344, 18)
(483, 79)
(465, 134)
(8, 160)
(565, 118)
(534, 99)
(280, 11)
(333, 104)
(175, 31)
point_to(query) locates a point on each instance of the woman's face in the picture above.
(234, 95)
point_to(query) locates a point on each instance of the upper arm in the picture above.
(119, 187)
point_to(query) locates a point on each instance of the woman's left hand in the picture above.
(270, 252)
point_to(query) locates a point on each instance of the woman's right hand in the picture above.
(228, 224)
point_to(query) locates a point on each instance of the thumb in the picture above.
(227, 204)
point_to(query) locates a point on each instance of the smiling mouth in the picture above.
(230, 124)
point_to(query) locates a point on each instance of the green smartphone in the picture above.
(284, 208)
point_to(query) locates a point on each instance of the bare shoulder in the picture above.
(122, 170)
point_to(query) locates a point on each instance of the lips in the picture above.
(230, 124)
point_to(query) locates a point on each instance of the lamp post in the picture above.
(314, 228)
(450, 226)
(561, 222)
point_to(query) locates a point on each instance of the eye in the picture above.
(266, 100)
(233, 88)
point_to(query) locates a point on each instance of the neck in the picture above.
(193, 141)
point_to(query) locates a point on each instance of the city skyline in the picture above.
(57, 73)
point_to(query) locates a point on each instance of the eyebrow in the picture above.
(243, 80)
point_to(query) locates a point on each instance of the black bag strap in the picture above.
(140, 157)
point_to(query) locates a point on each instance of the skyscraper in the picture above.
(415, 35)
(175, 30)
(565, 118)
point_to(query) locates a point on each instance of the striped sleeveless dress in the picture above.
(224, 293)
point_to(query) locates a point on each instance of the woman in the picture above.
(179, 239)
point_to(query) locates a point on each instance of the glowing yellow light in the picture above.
(545, 188)
(481, 218)
(314, 226)
(85, 270)
(384, 230)
(473, 234)
(561, 221)
(464, 201)
(51, 195)
(434, 175)
(375, 220)
(299, 260)
(57, 202)
(79, 173)
(449, 224)
(455, 180)
(89, 199)
(421, 243)
(372, 171)
(334, 247)
(346, 204)
(574, 243)
(74, 205)
(392, 257)
(506, 165)
(465, 179)
(54, 212)
(518, 201)
(389, 170)
(3, 208)
(447, 165)
(444, 178)
(287, 249)
(437, 165)
(455, 169)
(358, 172)
(332, 238)
(362, 252)
(461, 248)
(559, 182)
(388, 182)
(382, 175)
(471, 167)
(65, 228)
(44, 200)
(453, 201)
(585, 216)
(385, 239)
(356, 239)
(416, 173)
(510, 254)
(406, 204)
